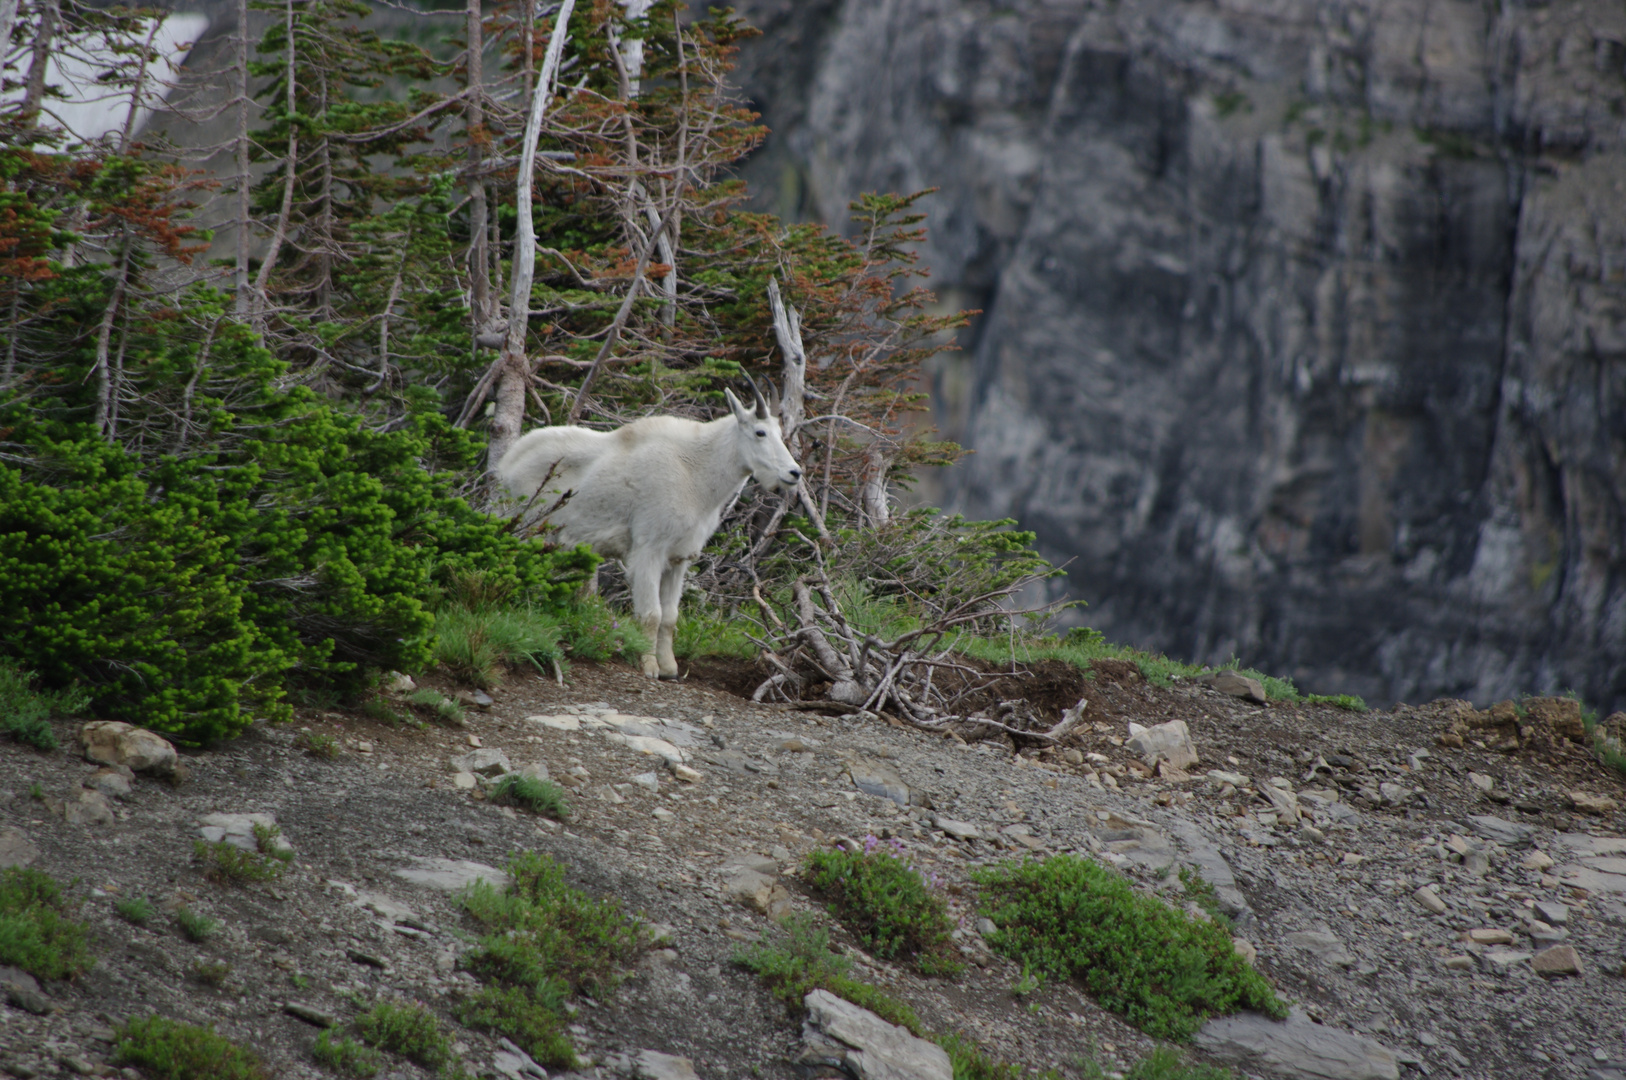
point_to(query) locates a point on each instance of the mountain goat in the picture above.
(650, 493)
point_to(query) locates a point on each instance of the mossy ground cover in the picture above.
(1165, 972)
(887, 905)
(37, 930)
(544, 942)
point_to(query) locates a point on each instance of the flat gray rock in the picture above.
(959, 830)
(483, 762)
(1506, 833)
(1324, 946)
(840, 1034)
(1297, 1047)
(451, 875)
(653, 1065)
(879, 779)
(238, 830)
(1170, 741)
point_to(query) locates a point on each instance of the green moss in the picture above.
(165, 1049)
(37, 933)
(1069, 918)
(887, 906)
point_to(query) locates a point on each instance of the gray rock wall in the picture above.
(1305, 331)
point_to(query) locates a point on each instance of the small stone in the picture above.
(1245, 949)
(686, 774)
(1588, 803)
(310, 1014)
(486, 762)
(1501, 960)
(1426, 1038)
(112, 780)
(1537, 860)
(1481, 781)
(1395, 794)
(1073, 757)
(22, 990)
(1490, 936)
(1312, 834)
(1506, 833)
(1551, 911)
(364, 747)
(844, 1036)
(1477, 862)
(1353, 859)
(1322, 945)
(113, 742)
(238, 830)
(536, 770)
(1557, 960)
(661, 813)
(648, 781)
(556, 723)
(1430, 900)
(464, 781)
(478, 699)
(1237, 686)
(1171, 742)
(1458, 963)
(649, 1065)
(475, 741)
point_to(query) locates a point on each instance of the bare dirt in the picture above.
(777, 782)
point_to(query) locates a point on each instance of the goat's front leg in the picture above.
(671, 594)
(644, 574)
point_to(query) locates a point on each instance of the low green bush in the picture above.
(544, 942)
(408, 1029)
(210, 972)
(1066, 917)
(528, 793)
(798, 960)
(346, 1055)
(971, 1063)
(165, 1049)
(444, 709)
(226, 864)
(37, 932)
(885, 903)
(1163, 1063)
(25, 712)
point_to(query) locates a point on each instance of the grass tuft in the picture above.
(797, 960)
(36, 932)
(211, 973)
(25, 713)
(545, 942)
(321, 745)
(442, 708)
(380, 709)
(1348, 702)
(595, 632)
(135, 909)
(1163, 971)
(477, 643)
(886, 904)
(195, 926)
(165, 1049)
(347, 1056)
(528, 793)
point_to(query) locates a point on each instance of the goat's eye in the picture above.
(762, 434)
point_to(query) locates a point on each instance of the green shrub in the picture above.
(1166, 973)
(36, 932)
(408, 1029)
(194, 925)
(529, 793)
(443, 708)
(135, 909)
(166, 1049)
(886, 904)
(378, 708)
(1348, 702)
(320, 744)
(797, 960)
(210, 972)
(226, 864)
(289, 542)
(25, 712)
(544, 943)
(346, 1056)
(970, 1063)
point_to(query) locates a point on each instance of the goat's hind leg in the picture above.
(644, 575)
(671, 594)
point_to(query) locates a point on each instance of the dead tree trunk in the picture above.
(240, 278)
(515, 374)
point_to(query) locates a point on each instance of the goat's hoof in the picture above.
(671, 673)
(652, 669)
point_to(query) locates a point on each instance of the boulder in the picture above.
(1297, 1047)
(1170, 742)
(1559, 716)
(1237, 686)
(87, 807)
(113, 742)
(485, 762)
(839, 1034)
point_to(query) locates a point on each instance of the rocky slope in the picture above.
(1403, 894)
(1305, 329)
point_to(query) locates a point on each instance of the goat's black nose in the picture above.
(796, 474)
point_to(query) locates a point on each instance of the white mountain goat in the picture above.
(650, 494)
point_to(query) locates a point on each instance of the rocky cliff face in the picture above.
(1305, 331)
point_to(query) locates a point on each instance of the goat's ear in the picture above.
(735, 407)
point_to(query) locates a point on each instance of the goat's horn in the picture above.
(756, 392)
